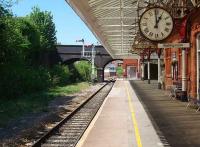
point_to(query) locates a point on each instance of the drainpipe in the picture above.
(184, 78)
(159, 69)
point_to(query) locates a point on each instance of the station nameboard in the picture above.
(174, 45)
(144, 46)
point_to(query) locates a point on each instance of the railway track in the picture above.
(68, 132)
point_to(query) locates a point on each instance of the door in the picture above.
(132, 72)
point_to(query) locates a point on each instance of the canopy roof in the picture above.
(115, 22)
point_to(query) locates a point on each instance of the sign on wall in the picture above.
(174, 45)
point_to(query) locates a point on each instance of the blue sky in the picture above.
(68, 25)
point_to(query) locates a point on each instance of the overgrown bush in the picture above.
(60, 75)
(19, 80)
(25, 43)
(84, 70)
(119, 71)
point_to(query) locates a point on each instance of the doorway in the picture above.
(131, 72)
(153, 71)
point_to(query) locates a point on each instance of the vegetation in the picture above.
(36, 102)
(28, 78)
(119, 71)
(84, 69)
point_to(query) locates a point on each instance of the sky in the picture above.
(68, 25)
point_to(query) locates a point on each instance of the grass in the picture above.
(33, 103)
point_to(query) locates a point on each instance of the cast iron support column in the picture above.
(159, 69)
(138, 69)
(184, 78)
(142, 77)
(148, 64)
(100, 75)
(142, 65)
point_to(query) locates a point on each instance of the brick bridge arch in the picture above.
(71, 53)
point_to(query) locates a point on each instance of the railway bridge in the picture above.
(127, 113)
(71, 53)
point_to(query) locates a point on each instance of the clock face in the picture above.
(156, 24)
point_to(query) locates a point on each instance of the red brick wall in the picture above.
(195, 29)
(174, 38)
(129, 62)
(190, 54)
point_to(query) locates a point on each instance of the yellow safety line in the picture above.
(137, 134)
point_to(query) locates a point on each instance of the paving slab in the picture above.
(121, 122)
(175, 125)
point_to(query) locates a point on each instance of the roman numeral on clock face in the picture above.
(156, 36)
(150, 13)
(150, 34)
(167, 17)
(146, 30)
(166, 29)
(168, 23)
(144, 24)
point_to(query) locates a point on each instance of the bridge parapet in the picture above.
(72, 53)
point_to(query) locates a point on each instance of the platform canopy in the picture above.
(114, 22)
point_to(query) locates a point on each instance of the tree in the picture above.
(31, 33)
(7, 3)
(43, 20)
(12, 42)
(3, 16)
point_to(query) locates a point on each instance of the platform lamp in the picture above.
(83, 49)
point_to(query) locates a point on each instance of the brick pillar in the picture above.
(100, 74)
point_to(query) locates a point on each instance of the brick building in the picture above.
(130, 67)
(186, 29)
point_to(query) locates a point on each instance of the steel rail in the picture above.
(51, 132)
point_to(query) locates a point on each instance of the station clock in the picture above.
(156, 24)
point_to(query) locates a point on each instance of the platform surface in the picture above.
(121, 122)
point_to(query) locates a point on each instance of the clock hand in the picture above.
(160, 17)
(156, 19)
